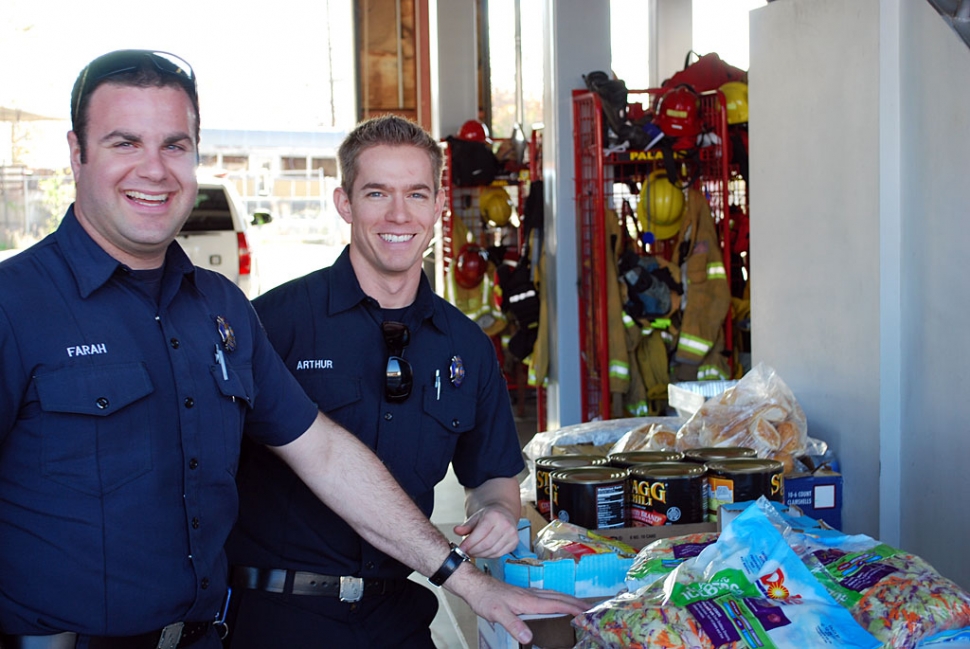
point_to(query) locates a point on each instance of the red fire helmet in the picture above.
(470, 266)
(678, 113)
(473, 131)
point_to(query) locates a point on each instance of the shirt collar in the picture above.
(346, 293)
(92, 267)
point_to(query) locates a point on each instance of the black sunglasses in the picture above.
(122, 61)
(398, 377)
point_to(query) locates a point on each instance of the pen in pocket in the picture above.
(221, 359)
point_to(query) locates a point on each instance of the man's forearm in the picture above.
(497, 492)
(355, 484)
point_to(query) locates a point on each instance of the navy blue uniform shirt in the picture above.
(328, 333)
(120, 435)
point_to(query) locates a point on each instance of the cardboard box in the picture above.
(593, 577)
(792, 514)
(636, 537)
(818, 494)
(548, 632)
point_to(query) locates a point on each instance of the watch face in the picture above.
(454, 560)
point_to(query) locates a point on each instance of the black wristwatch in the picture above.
(455, 558)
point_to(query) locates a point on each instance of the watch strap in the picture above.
(455, 558)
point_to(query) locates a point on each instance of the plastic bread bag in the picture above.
(597, 433)
(747, 589)
(760, 412)
(652, 436)
(658, 559)
(591, 433)
(561, 540)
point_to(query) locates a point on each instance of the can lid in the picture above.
(589, 474)
(640, 457)
(746, 465)
(567, 461)
(667, 470)
(719, 453)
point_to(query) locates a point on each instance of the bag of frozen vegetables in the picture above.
(747, 589)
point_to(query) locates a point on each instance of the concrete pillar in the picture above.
(577, 37)
(670, 38)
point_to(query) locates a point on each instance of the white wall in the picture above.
(814, 143)
(935, 409)
(860, 143)
(455, 59)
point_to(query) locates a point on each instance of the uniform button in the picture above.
(370, 565)
(204, 583)
(195, 523)
(189, 402)
(455, 423)
(193, 464)
(174, 342)
(102, 402)
(388, 416)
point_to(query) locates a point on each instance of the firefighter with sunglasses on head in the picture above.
(128, 379)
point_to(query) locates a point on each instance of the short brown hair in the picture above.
(390, 130)
(137, 68)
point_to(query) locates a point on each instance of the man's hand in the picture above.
(499, 602)
(493, 510)
(489, 533)
(377, 508)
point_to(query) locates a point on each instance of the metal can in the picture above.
(718, 453)
(628, 458)
(740, 480)
(593, 497)
(549, 463)
(667, 493)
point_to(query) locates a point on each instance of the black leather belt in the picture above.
(174, 636)
(299, 582)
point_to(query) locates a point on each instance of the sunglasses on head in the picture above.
(121, 61)
(398, 377)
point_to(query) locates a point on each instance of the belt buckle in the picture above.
(170, 636)
(351, 589)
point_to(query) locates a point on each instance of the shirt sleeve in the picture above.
(281, 410)
(492, 449)
(12, 377)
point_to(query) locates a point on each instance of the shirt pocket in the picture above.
(95, 437)
(237, 385)
(331, 392)
(445, 420)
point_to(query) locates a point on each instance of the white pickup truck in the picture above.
(215, 235)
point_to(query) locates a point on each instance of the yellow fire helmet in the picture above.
(736, 100)
(660, 207)
(495, 205)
